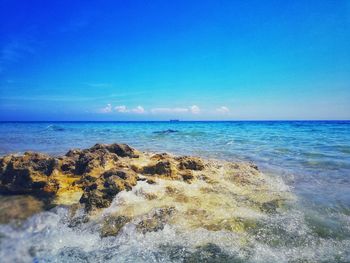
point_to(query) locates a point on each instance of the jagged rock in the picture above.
(94, 158)
(159, 168)
(187, 175)
(113, 224)
(160, 156)
(156, 220)
(29, 173)
(92, 178)
(122, 150)
(151, 181)
(18, 208)
(67, 165)
(101, 192)
(191, 163)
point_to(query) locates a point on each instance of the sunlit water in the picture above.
(311, 158)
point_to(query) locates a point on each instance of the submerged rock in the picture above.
(113, 224)
(166, 131)
(156, 220)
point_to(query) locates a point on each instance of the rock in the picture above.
(92, 159)
(27, 174)
(93, 177)
(210, 253)
(151, 181)
(159, 168)
(122, 150)
(191, 163)
(187, 175)
(112, 225)
(156, 220)
(166, 131)
(18, 208)
(160, 156)
(101, 192)
(67, 165)
(93, 198)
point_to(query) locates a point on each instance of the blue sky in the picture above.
(191, 60)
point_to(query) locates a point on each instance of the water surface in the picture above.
(311, 157)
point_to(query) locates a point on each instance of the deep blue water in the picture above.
(311, 157)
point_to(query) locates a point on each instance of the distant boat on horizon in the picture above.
(174, 120)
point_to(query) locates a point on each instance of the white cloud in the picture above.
(195, 109)
(169, 110)
(106, 109)
(223, 109)
(121, 108)
(138, 110)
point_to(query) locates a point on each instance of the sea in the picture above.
(311, 158)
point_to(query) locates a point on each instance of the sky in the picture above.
(187, 60)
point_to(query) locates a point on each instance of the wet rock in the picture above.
(67, 165)
(117, 172)
(271, 206)
(156, 220)
(159, 168)
(160, 156)
(191, 163)
(18, 208)
(74, 153)
(101, 192)
(187, 175)
(122, 150)
(211, 253)
(96, 159)
(93, 198)
(29, 173)
(113, 224)
(92, 178)
(151, 181)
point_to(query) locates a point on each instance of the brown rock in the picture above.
(122, 150)
(156, 220)
(191, 163)
(151, 181)
(159, 168)
(29, 173)
(113, 224)
(187, 175)
(101, 192)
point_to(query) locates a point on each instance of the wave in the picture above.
(53, 127)
(166, 131)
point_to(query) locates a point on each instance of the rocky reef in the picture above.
(116, 185)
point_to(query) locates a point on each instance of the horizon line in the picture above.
(170, 121)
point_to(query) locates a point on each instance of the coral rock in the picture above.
(29, 173)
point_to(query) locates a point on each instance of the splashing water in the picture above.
(310, 161)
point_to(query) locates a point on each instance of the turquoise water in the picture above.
(311, 157)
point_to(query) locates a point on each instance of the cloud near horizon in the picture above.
(194, 109)
(123, 109)
(106, 109)
(223, 110)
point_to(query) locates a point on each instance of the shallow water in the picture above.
(311, 158)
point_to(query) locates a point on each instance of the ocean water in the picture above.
(311, 158)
